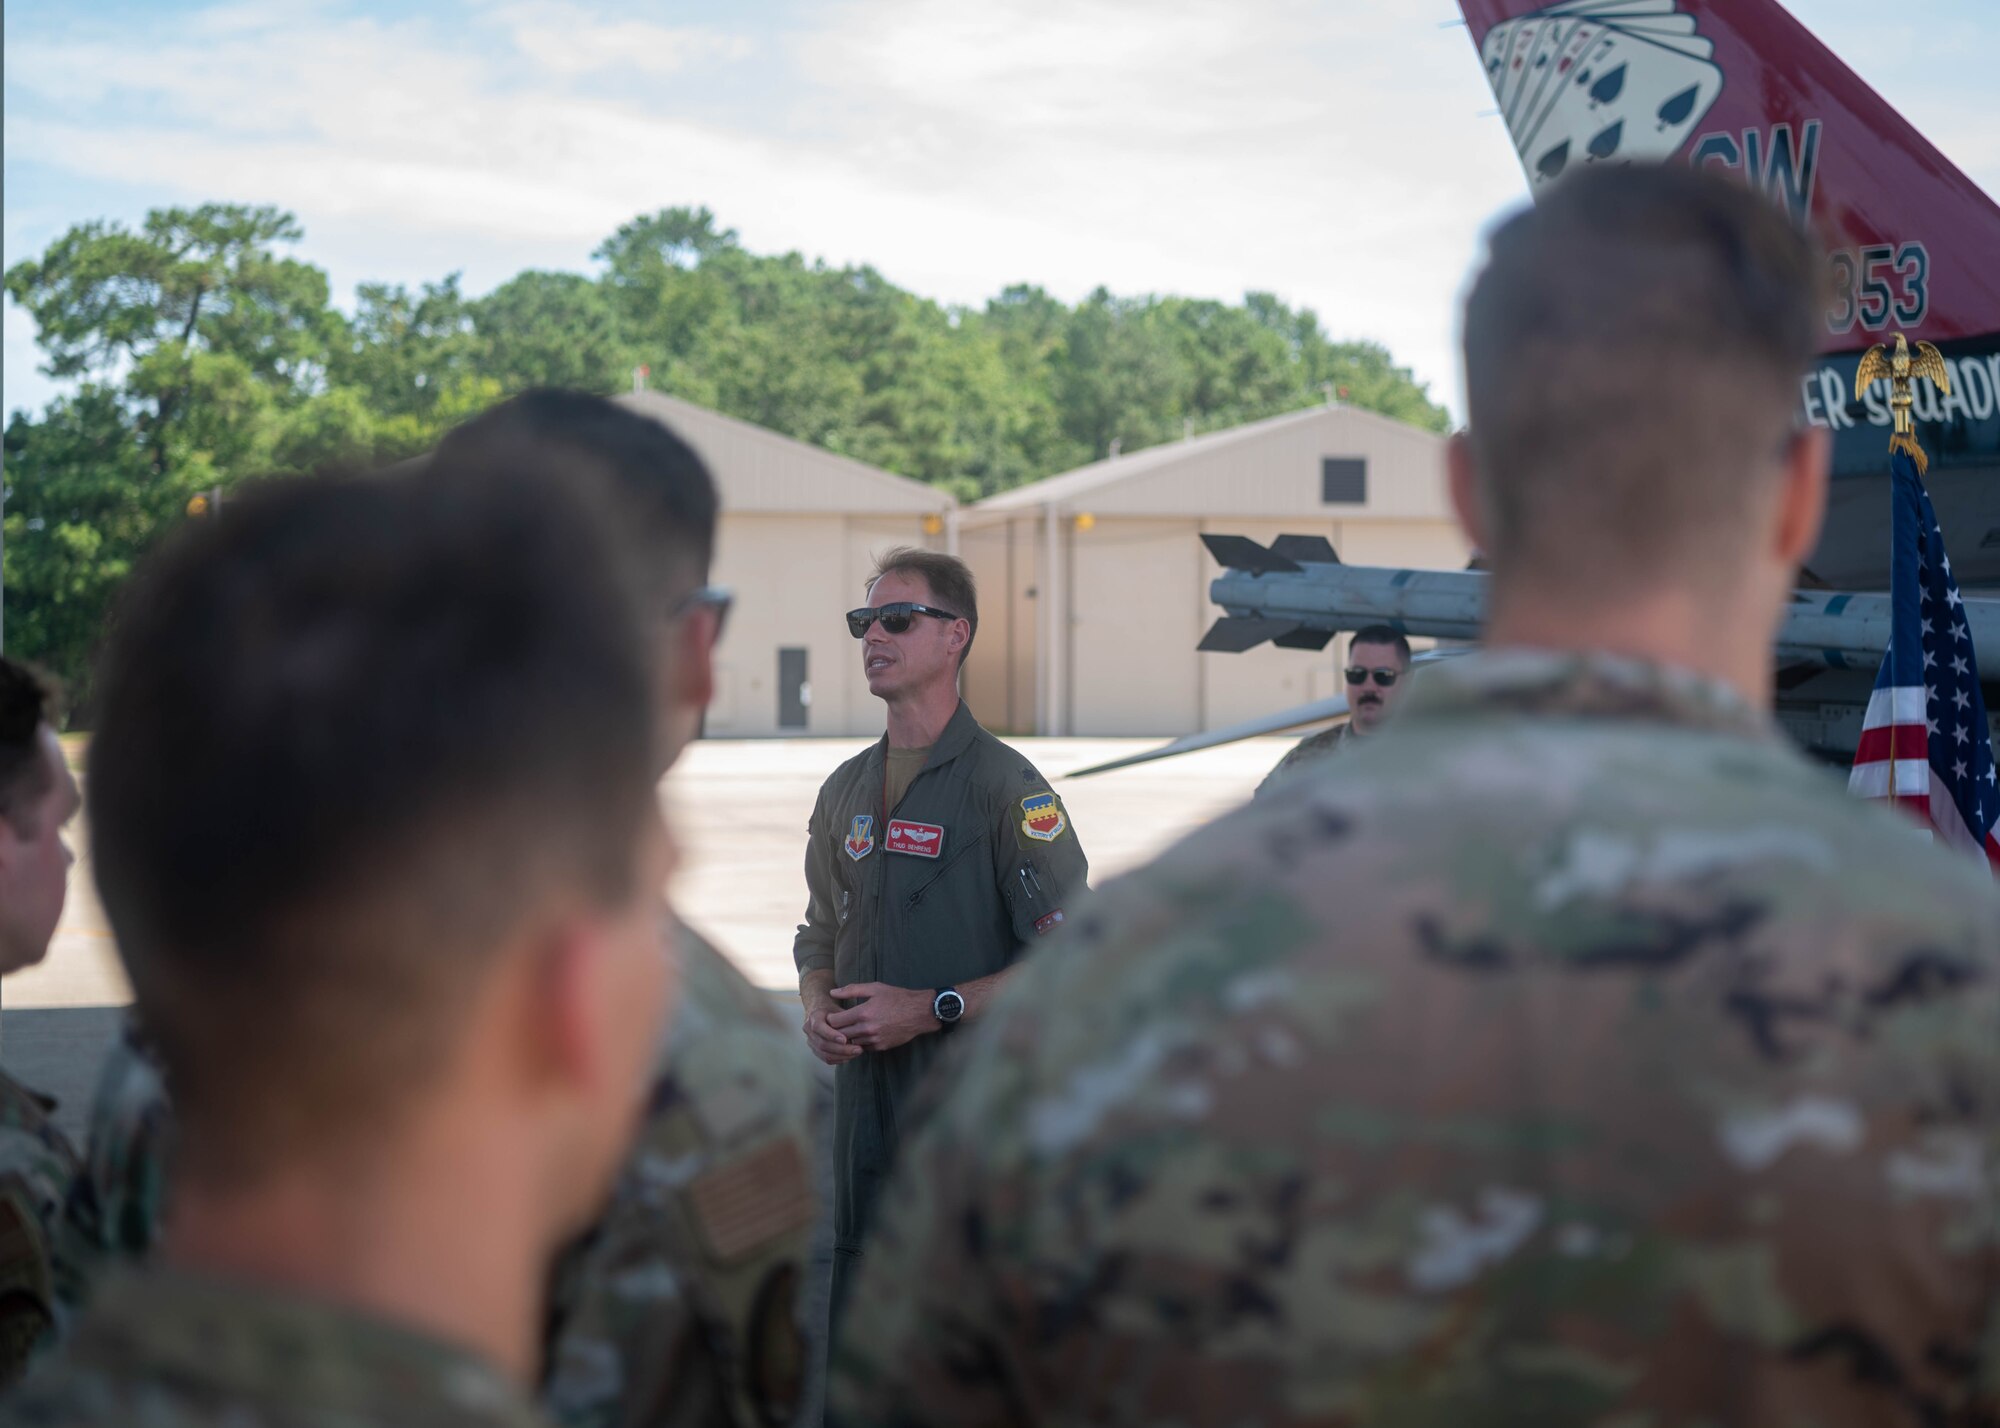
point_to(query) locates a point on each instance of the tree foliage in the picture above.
(204, 355)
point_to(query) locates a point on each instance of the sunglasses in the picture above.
(709, 597)
(1356, 674)
(895, 618)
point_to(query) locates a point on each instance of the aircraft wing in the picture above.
(1317, 712)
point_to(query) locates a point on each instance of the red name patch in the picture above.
(924, 840)
(1043, 925)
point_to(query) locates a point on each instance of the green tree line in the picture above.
(202, 354)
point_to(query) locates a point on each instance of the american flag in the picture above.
(1925, 745)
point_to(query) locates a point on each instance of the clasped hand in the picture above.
(882, 1018)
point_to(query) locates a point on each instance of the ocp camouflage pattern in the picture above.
(38, 1266)
(1307, 754)
(164, 1349)
(681, 1305)
(1575, 1053)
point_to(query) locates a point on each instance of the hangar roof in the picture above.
(1272, 468)
(757, 469)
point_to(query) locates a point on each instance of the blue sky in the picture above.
(1340, 152)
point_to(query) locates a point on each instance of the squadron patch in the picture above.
(1045, 925)
(922, 840)
(1042, 817)
(861, 836)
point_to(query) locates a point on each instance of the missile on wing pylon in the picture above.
(1298, 595)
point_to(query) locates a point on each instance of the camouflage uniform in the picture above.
(1309, 752)
(37, 1265)
(121, 1200)
(1576, 1054)
(681, 1306)
(169, 1350)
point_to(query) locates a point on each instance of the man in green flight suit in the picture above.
(933, 858)
(372, 818)
(37, 1166)
(1581, 1055)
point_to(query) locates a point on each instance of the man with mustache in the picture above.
(1378, 670)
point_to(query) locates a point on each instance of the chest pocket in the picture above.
(944, 866)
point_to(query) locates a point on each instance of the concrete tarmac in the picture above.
(738, 808)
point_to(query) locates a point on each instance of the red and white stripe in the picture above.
(1892, 763)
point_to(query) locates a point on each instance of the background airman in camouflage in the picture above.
(1574, 1054)
(681, 1304)
(1375, 653)
(38, 795)
(371, 821)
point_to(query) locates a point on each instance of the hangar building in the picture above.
(799, 532)
(1094, 584)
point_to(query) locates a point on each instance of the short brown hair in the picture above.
(949, 579)
(352, 737)
(1633, 350)
(24, 771)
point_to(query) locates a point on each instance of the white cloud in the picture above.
(1335, 154)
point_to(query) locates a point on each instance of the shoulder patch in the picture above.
(1042, 817)
(861, 836)
(746, 1203)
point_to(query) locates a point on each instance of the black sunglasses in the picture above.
(895, 618)
(718, 598)
(1356, 674)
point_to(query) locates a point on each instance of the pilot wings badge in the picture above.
(861, 837)
(1600, 81)
(1043, 820)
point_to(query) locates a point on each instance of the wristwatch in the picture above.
(948, 1006)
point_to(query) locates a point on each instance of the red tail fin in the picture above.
(1741, 85)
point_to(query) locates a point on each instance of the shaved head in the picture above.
(1632, 355)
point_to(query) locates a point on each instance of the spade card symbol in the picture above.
(1606, 143)
(1609, 87)
(1677, 108)
(1552, 163)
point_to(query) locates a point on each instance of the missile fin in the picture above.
(1303, 638)
(1233, 634)
(1306, 549)
(1236, 552)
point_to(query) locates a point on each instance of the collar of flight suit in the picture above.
(1565, 685)
(956, 738)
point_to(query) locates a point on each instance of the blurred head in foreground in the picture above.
(667, 507)
(1633, 350)
(371, 807)
(37, 797)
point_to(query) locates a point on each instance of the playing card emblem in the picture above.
(1600, 81)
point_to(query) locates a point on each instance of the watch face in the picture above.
(949, 1006)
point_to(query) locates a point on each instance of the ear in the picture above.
(1463, 480)
(563, 1004)
(1802, 497)
(694, 661)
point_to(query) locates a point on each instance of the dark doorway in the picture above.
(795, 693)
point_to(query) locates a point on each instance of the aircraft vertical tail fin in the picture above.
(1742, 86)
